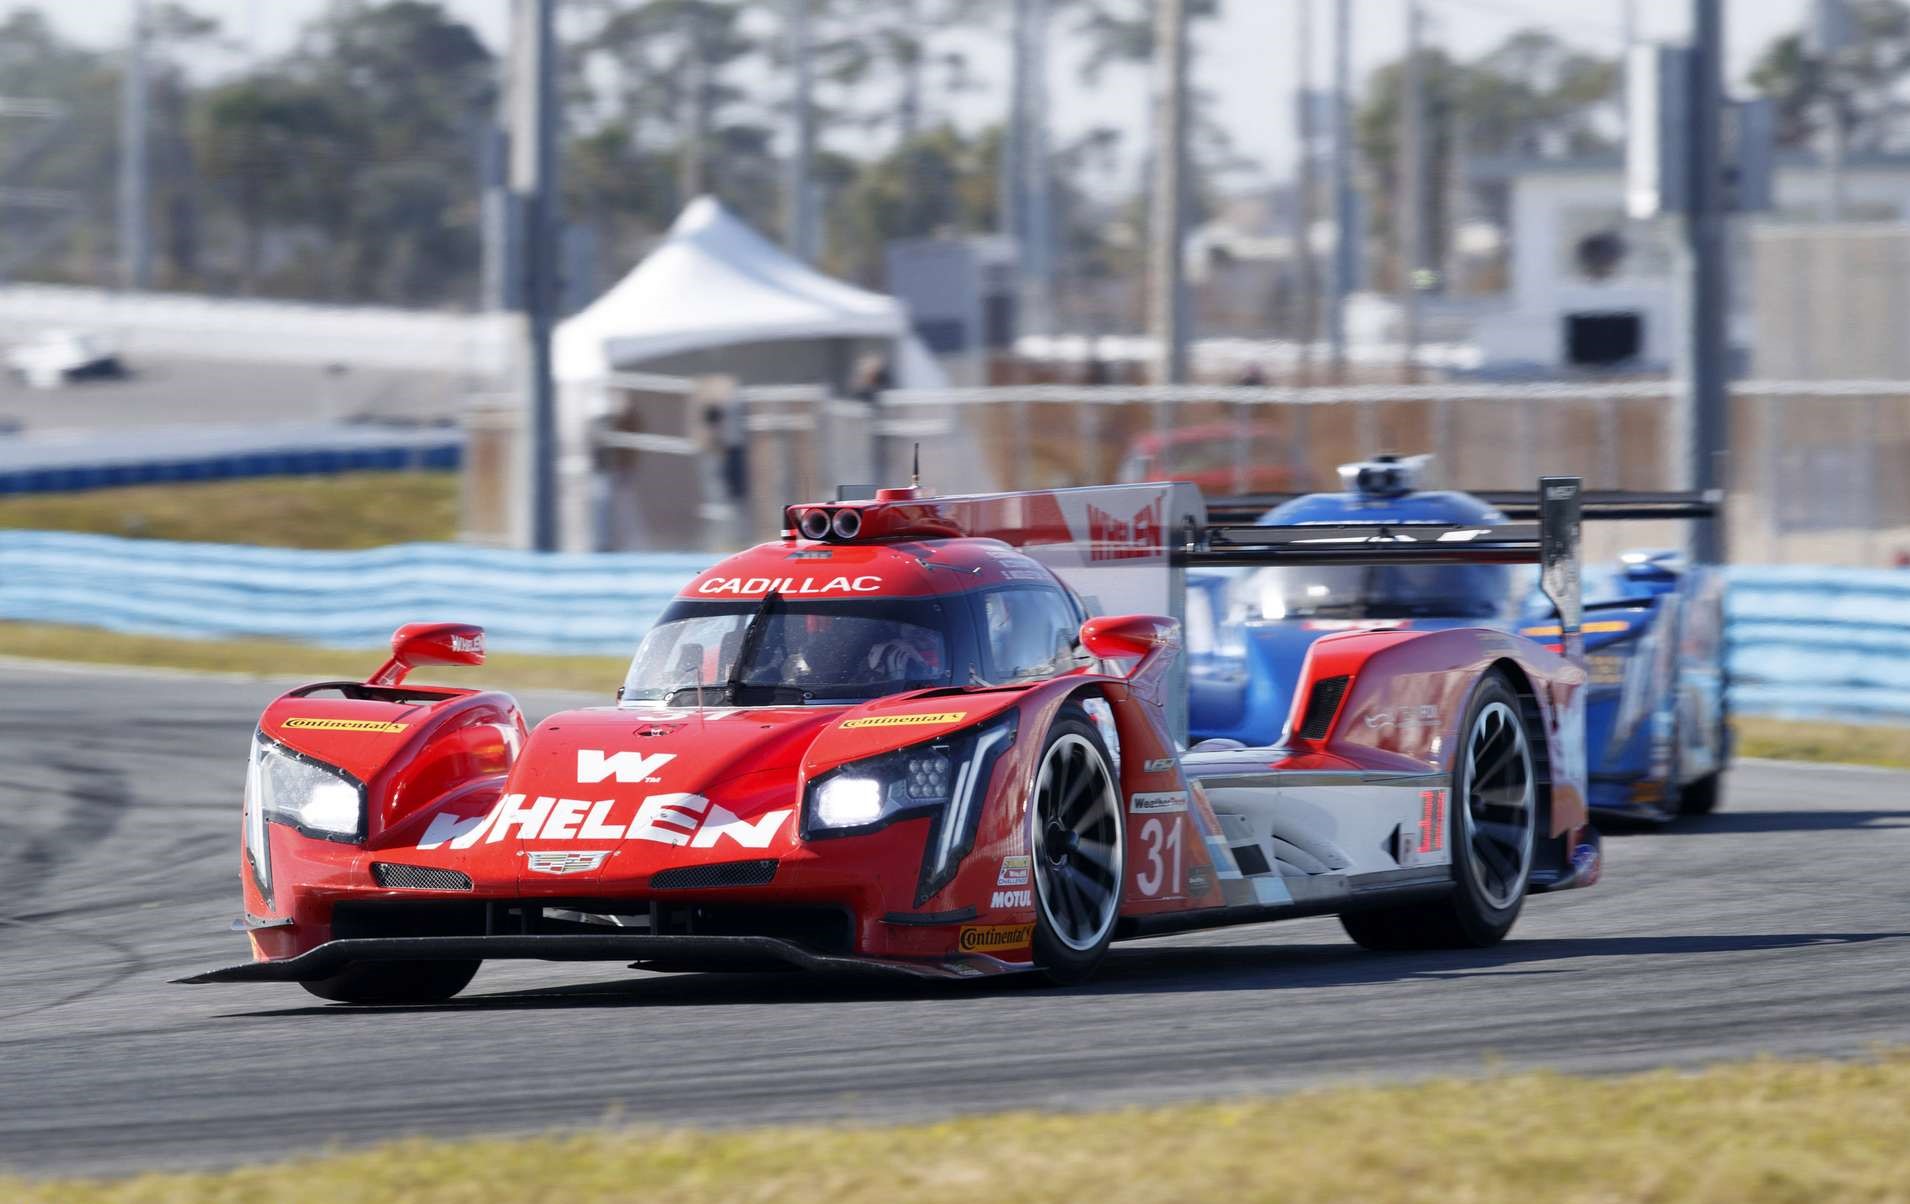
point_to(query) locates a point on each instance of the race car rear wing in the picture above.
(1596, 505)
(1551, 542)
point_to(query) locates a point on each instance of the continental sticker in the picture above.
(996, 938)
(938, 717)
(344, 725)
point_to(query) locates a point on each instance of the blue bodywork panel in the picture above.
(1655, 713)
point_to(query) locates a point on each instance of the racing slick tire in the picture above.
(1075, 831)
(1492, 829)
(395, 982)
(1701, 797)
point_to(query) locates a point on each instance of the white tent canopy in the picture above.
(714, 282)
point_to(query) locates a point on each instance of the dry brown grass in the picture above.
(1782, 1133)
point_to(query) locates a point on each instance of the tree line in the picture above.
(350, 168)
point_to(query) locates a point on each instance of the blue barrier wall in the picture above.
(1803, 641)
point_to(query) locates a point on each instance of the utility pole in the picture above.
(1831, 35)
(799, 198)
(1707, 412)
(1009, 171)
(135, 245)
(1345, 241)
(1037, 251)
(1303, 278)
(1167, 276)
(533, 184)
(1411, 202)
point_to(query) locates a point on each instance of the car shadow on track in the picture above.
(1129, 970)
(1727, 822)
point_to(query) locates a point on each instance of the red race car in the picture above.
(895, 739)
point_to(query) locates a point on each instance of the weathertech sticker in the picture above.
(345, 725)
(996, 938)
(1157, 804)
(907, 720)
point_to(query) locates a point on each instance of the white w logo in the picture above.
(594, 765)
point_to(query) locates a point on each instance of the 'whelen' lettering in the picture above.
(790, 586)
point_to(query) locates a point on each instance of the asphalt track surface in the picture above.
(1780, 926)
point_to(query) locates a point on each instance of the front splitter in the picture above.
(700, 952)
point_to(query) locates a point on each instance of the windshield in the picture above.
(757, 652)
(1469, 591)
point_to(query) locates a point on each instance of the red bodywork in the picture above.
(642, 807)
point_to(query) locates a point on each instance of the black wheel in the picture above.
(1075, 831)
(1701, 797)
(1493, 830)
(395, 982)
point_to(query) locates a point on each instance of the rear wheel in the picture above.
(1701, 797)
(1492, 830)
(395, 982)
(1075, 822)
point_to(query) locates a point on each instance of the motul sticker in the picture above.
(1003, 899)
(995, 938)
(1157, 804)
(1014, 871)
(344, 725)
(907, 720)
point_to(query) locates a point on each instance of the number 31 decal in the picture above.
(1161, 875)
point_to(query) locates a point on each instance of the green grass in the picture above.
(1778, 738)
(1800, 740)
(352, 510)
(280, 658)
(1757, 1133)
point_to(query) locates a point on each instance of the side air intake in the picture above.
(1321, 706)
(393, 876)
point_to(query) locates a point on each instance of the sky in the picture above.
(1247, 57)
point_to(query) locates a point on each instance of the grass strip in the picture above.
(1809, 740)
(284, 658)
(1748, 1133)
(347, 510)
(1782, 739)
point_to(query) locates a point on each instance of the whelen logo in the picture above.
(1113, 538)
(996, 938)
(672, 819)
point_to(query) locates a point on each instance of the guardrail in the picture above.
(1803, 641)
(161, 455)
(1811, 641)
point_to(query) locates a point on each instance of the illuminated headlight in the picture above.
(943, 779)
(285, 788)
(926, 777)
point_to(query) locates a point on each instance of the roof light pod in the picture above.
(847, 524)
(814, 524)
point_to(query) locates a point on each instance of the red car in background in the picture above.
(898, 738)
(1221, 458)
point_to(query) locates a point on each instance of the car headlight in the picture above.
(283, 787)
(943, 778)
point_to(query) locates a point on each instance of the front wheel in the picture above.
(395, 982)
(1493, 830)
(1075, 832)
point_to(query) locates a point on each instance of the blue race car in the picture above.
(1657, 735)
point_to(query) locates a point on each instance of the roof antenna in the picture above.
(915, 473)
